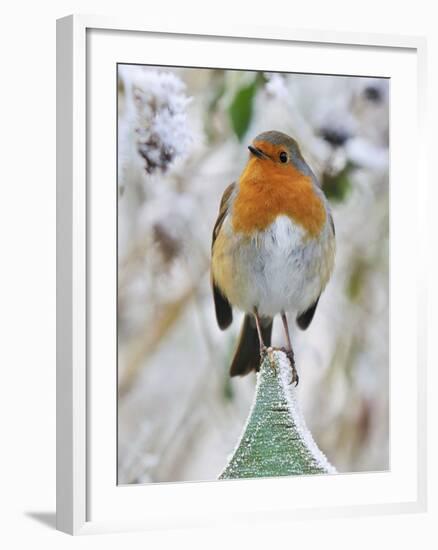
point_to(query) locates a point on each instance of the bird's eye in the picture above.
(283, 157)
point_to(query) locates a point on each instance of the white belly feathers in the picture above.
(279, 269)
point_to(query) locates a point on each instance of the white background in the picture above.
(27, 218)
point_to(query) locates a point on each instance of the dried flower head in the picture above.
(159, 110)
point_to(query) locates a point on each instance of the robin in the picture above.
(273, 248)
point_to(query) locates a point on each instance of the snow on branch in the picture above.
(275, 440)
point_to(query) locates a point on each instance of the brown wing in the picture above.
(305, 318)
(332, 223)
(224, 313)
(223, 210)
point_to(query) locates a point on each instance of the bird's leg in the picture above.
(263, 348)
(289, 351)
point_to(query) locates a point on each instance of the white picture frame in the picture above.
(88, 501)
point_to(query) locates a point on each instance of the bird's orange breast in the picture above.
(268, 190)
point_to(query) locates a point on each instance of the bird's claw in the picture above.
(295, 378)
(290, 355)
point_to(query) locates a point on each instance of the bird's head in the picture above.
(278, 152)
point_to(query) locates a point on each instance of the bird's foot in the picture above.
(295, 378)
(290, 355)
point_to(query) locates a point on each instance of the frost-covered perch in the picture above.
(275, 440)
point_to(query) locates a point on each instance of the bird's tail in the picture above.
(247, 355)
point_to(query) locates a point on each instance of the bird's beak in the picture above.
(257, 152)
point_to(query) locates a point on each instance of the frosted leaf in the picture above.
(275, 440)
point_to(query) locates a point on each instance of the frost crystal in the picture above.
(158, 104)
(276, 86)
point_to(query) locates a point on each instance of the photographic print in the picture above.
(253, 274)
